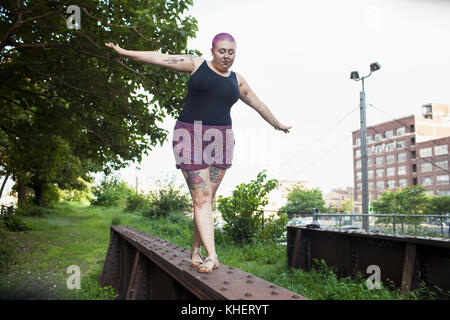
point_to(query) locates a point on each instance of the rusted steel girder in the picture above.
(141, 266)
(405, 260)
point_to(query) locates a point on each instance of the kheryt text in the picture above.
(239, 309)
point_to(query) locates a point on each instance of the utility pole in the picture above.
(363, 137)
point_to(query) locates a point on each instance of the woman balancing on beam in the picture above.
(212, 91)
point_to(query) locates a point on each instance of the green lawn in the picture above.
(78, 234)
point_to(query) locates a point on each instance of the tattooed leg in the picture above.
(195, 180)
(215, 176)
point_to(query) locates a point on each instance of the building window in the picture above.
(441, 165)
(369, 162)
(379, 148)
(358, 175)
(369, 139)
(411, 128)
(358, 164)
(425, 152)
(400, 131)
(358, 186)
(401, 170)
(388, 134)
(379, 161)
(390, 184)
(390, 158)
(370, 173)
(427, 180)
(440, 150)
(426, 167)
(370, 185)
(442, 179)
(358, 153)
(380, 185)
(378, 137)
(402, 183)
(401, 157)
(443, 192)
(400, 144)
(389, 146)
(369, 150)
(414, 168)
(413, 141)
(390, 172)
(379, 173)
(357, 142)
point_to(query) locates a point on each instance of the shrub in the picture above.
(242, 212)
(135, 202)
(111, 192)
(115, 221)
(13, 222)
(274, 228)
(167, 201)
(32, 211)
(9, 249)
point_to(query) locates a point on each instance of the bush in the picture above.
(33, 211)
(111, 192)
(136, 202)
(13, 222)
(274, 229)
(242, 212)
(115, 221)
(9, 249)
(167, 201)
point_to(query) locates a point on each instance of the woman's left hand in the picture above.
(284, 128)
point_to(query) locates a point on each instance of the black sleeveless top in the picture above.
(210, 97)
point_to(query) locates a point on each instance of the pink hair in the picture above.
(222, 36)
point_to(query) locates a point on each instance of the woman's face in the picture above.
(224, 54)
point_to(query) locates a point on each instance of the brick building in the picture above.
(405, 152)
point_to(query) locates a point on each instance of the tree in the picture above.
(69, 104)
(243, 211)
(304, 201)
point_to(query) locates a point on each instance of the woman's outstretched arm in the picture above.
(177, 62)
(249, 97)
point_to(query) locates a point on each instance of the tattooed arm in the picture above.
(249, 97)
(177, 62)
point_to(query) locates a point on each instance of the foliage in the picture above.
(274, 228)
(32, 210)
(304, 201)
(167, 200)
(70, 106)
(136, 202)
(9, 249)
(242, 211)
(438, 205)
(13, 222)
(111, 192)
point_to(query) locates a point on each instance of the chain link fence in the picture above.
(436, 226)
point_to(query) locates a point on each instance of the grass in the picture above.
(78, 234)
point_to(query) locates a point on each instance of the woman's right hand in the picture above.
(116, 47)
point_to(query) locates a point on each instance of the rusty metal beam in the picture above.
(152, 268)
(404, 260)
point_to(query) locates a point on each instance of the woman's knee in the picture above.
(202, 198)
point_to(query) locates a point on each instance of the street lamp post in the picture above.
(363, 137)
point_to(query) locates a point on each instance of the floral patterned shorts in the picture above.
(197, 146)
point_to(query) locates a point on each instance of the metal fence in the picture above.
(403, 224)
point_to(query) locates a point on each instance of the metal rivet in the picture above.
(223, 289)
(230, 272)
(226, 282)
(272, 286)
(249, 281)
(295, 296)
(231, 268)
(274, 293)
(248, 294)
(249, 276)
(205, 278)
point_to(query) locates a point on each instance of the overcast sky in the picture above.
(297, 56)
